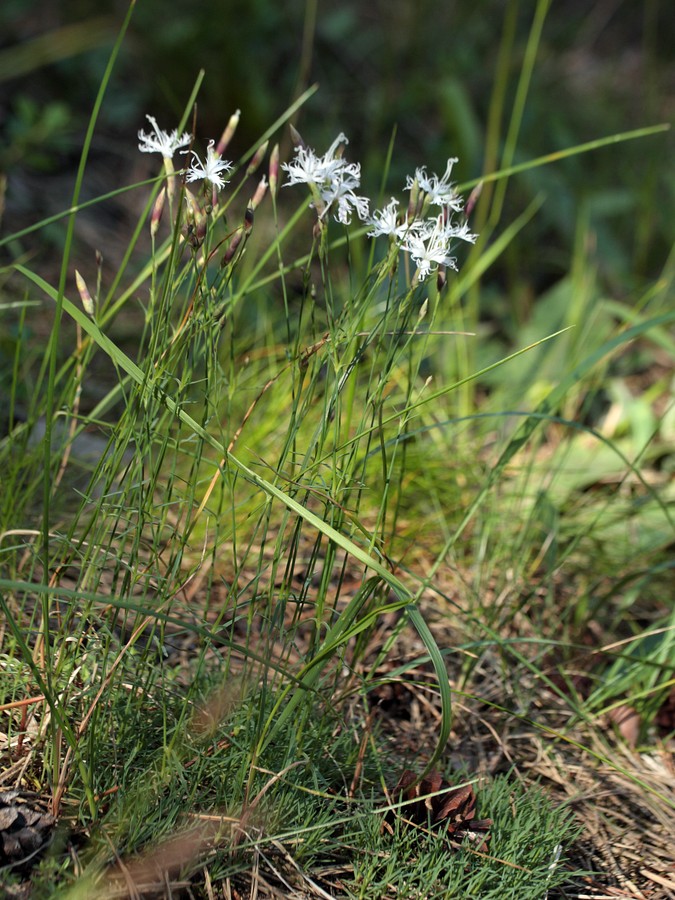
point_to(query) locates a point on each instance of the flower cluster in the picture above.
(427, 237)
(168, 143)
(199, 211)
(331, 179)
(428, 240)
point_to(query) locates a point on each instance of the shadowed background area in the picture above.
(444, 75)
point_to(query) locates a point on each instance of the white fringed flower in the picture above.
(439, 191)
(209, 170)
(331, 177)
(430, 245)
(161, 141)
(385, 222)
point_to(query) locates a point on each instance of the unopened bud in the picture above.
(200, 227)
(232, 247)
(157, 211)
(274, 170)
(414, 201)
(228, 134)
(191, 207)
(296, 137)
(257, 158)
(260, 192)
(171, 180)
(473, 199)
(99, 259)
(248, 220)
(423, 309)
(85, 296)
(194, 228)
(241, 234)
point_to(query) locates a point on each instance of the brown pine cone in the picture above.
(26, 826)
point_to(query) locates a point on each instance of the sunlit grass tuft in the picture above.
(219, 522)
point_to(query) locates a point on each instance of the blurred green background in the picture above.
(433, 70)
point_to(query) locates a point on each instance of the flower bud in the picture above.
(85, 296)
(228, 134)
(157, 211)
(274, 170)
(232, 247)
(296, 137)
(194, 227)
(248, 220)
(257, 158)
(414, 201)
(241, 234)
(260, 192)
(473, 199)
(171, 180)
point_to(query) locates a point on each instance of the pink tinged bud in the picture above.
(228, 134)
(233, 246)
(200, 225)
(473, 199)
(240, 234)
(441, 278)
(296, 137)
(157, 211)
(99, 259)
(85, 296)
(258, 157)
(260, 192)
(274, 170)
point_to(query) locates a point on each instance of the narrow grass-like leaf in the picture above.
(123, 362)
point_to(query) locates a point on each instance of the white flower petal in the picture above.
(161, 141)
(209, 170)
(439, 191)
